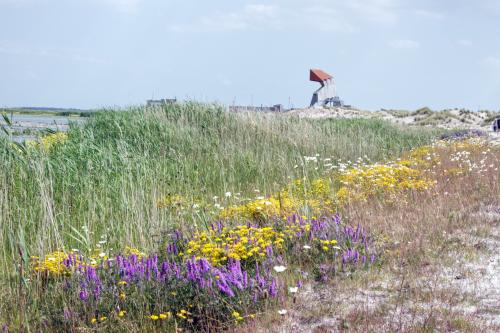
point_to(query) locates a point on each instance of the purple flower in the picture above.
(223, 287)
(84, 296)
(269, 251)
(273, 289)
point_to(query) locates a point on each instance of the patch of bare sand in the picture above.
(458, 293)
(448, 119)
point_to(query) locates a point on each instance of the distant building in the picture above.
(240, 108)
(160, 102)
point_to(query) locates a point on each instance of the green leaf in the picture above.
(21, 146)
(82, 239)
(5, 130)
(7, 119)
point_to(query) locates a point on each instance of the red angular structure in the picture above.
(326, 95)
(317, 75)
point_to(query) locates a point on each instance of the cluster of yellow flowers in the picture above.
(356, 183)
(314, 197)
(183, 314)
(327, 244)
(52, 263)
(101, 319)
(389, 179)
(128, 251)
(241, 242)
(162, 316)
(257, 209)
(48, 141)
(237, 316)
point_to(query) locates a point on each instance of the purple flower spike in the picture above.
(269, 251)
(273, 289)
(84, 296)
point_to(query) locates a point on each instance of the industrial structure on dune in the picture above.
(324, 96)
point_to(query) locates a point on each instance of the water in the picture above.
(25, 126)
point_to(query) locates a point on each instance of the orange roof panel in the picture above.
(318, 75)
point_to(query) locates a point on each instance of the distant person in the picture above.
(496, 125)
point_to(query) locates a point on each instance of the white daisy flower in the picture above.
(279, 269)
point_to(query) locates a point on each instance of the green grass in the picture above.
(110, 173)
(436, 118)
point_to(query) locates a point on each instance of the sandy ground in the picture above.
(463, 288)
(450, 119)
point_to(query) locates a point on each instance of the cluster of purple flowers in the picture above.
(354, 241)
(195, 273)
(196, 279)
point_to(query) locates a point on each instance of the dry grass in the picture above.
(435, 247)
(440, 260)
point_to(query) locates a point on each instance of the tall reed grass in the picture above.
(105, 180)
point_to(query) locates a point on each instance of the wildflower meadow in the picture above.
(188, 218)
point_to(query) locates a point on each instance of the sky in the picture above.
(399, 54)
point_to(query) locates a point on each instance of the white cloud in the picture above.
(404, 44)
(492, 62)
(254, 16)
(318, 15)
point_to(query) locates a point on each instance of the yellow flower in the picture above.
(154, 317)
(182, 314)
(237, 316)
(122, 313)
(165, 315)
(103, 318)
